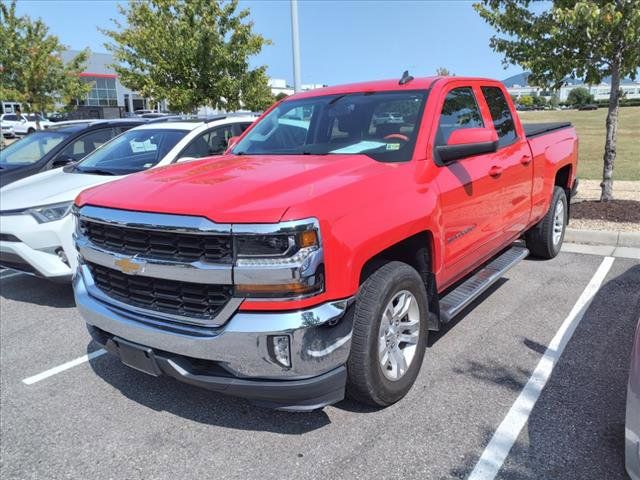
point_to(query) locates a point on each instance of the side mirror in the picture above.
(231, 142)
(61, 161)
(466, 142)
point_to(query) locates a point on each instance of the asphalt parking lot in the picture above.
(100, 419)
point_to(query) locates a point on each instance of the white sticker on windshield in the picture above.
(359, 147)
(393, 146)
(144, 146)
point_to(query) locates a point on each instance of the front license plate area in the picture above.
(138, 357)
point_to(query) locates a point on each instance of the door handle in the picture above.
(525, 160)
(495, 171)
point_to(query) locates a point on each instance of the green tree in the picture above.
(191, 53)
(579, 96)
(255, 92)
(526, 101)
(281, 96)
(444, 72)
(554, 101)
(31, 67)
(589, 39)
(539, 101)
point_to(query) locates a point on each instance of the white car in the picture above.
(9, 121)
(7, 131)
(27, 124)
(35, 226)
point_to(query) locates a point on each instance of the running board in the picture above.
(456, 300)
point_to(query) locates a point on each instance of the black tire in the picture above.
(366, 382)
(539, 239)
(31, 130)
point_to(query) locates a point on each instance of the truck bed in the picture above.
(535, 129)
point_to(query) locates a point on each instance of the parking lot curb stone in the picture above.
(595, 237)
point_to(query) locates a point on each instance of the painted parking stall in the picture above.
(473, 374)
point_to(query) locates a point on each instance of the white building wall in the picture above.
(599, 92)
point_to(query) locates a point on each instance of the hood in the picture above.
(52, 186)
(232, 189)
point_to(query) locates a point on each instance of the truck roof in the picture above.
(418, 83)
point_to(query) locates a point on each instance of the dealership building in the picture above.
(107, 93)
(108, 98)
(519, 87)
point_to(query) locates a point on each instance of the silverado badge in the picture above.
(130, 266)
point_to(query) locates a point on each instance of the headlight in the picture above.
(280, 261)
(50, 213)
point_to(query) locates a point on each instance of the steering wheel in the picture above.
(396, 136)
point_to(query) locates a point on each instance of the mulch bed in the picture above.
(613, 211)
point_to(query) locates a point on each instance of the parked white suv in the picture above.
(23, 124)
(35, 225)
(28, 124)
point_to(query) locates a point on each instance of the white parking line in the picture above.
(507, 433)
(63, 367)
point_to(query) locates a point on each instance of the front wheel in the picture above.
(545, 239)
(389, 335)
(31, 130)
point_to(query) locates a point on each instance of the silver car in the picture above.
(632, 427)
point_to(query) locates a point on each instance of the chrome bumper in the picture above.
(320, 336)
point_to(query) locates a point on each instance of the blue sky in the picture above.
(341, 41)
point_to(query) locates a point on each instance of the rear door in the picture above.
(469, 195)
(514, 162)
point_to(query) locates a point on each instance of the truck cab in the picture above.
(312, 259)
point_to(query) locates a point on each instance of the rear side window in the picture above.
(500, 114)
(86, 144)
(460, 110)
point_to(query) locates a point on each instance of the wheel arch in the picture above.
(418, 252)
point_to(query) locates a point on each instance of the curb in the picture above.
(595, 237)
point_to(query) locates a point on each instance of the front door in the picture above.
(469, 194)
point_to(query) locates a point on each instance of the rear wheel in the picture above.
(389, 335)
(545, 239)
(31, 130)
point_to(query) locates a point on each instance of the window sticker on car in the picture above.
(393, 146)
(359, 147)
(145, 146)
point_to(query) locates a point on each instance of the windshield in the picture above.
(382, 125)
(31, 148)
(131, 152)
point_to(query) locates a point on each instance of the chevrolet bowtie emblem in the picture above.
(130, 266)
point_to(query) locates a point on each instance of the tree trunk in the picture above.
(612, 128)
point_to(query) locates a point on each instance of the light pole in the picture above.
(295, 40)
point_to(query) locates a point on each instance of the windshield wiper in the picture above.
(97, 171)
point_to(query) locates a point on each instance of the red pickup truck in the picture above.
(312, 259)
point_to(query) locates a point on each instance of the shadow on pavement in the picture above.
(200, 405)
(435, 336)
(29, 289)
(576, 429)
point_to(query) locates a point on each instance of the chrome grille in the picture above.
(154, 244)
(195, 300)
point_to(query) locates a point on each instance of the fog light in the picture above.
(280, 349)
(62, 256)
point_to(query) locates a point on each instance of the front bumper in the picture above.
(34, 248)
(236, 358)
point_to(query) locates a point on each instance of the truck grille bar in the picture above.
(182, 247)
(173, 268)
(194, 300)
